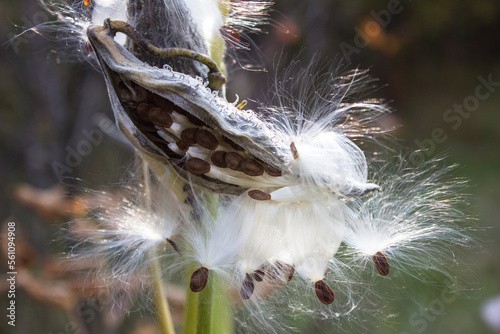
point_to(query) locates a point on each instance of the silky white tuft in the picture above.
(413, 220)
(125, 230)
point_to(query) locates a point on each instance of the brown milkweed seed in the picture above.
(197, 166)
(140, 94)
(247, 287)
(275, 270)
(273, 171)
(259, 195)
(160, 117)
(258, 275)
(143, 110)
(182, 145)
(199, 279)
(233, 160)
(174, 246)
(219, 159)
(206, 139)
(381, 263)
(290, 275)
(324, 292)
(189, 135)
(162, 103)
(295, 153)
(252, 167)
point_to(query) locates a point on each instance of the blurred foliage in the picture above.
(428, 57)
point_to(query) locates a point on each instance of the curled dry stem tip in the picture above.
(215, 78)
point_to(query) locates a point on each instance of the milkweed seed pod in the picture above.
(177, 120)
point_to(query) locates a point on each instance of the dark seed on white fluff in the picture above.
(295, 153)
(233, 160)
(273, 171)
(199, 279)
(276, 270)
(292, 272)
(189, 135)
(160, 117)
(219, 159)
(252, 167)
(197, 166)
(381, 263)
(182, 145)
(259, 195)
(324, 292)
(174, 246)
(258, 275)
(247, 287)
(206, 139)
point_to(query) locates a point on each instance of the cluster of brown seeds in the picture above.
(277, 274)
(188, 141)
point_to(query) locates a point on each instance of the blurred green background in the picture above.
(430, 55)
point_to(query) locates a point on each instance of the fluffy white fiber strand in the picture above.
(207, 17)
(113, 9)
(131, 227)
(314, 234)
(413, 220)
(320, 115)
(330, 161)
(266, 242)
(215, 243)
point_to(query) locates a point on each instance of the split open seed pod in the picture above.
(180, 121)
(174, 119)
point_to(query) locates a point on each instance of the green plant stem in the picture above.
(208, 311)
(206, 308)
(191, 310)
(160, 301)
(222, 319)
(217, 45)
(214, 313)
(217, 52)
